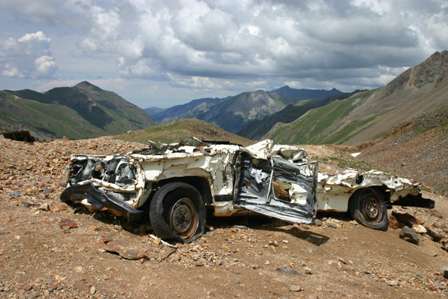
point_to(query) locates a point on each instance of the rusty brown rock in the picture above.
(68, 224)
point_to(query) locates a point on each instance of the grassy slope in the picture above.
(125, 115)
(81, 111)
(318, 125)
(39, 117)
(176, 131)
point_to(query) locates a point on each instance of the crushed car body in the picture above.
(172, 185)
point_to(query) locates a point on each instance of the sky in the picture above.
(162, 53)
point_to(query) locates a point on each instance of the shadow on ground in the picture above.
(259, 222)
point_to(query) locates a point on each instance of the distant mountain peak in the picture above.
(86, 84)
(431, 71)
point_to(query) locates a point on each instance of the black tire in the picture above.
(177, 212)
(369, 208)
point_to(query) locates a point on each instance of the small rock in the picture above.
(78, 269)
(273, 243)
(15, 194)
(435, 235)
(58, 207)
(332, 225)
(404, 219)
(295, 288)
(445, 272)
(445, 246)
(418, 228)
(409, 235)
(92, 290)
(392, 283)
(308, 271)
(44, 207)
(130, 252)
(317, 222)
(68, 224)
(287, 270)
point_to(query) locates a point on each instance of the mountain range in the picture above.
(287, 115)
(234, 113)
(80, 111)
(367, 115)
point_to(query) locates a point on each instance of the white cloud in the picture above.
(36, 36)
(377, 6)
(45, 64)
(197, 82)
(223, 44)
(27, 56)
(140, 69)
(11, 71)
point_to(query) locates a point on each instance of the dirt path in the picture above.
(47, 250)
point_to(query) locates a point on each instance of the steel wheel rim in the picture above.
(183, 218)
(371, 207)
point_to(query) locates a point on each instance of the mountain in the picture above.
(182, 129)
(234, 112)
(291, 95)
(257, 128)
(80, 111)
(151, 111)
(368, 115)
(189, 109)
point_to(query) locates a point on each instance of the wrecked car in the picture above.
(172, 185)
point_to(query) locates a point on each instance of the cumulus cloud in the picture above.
(220, 44)
(27, 56)
(11, 71)
(251, 40)
(44, 64)
(36, 36)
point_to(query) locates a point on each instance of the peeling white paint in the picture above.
(217, 164)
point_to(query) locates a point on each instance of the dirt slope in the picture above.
(417, 149)
(48, 250)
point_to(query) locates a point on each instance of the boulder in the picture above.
(409, 235)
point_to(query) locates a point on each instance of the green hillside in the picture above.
(76, 112)
(44, 120)
(317, 125)
(183, 129)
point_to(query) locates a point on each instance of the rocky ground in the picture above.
(49, 250)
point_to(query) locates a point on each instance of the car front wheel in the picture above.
(177, 212)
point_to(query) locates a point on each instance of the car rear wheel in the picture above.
(369, 208)
(177, 212)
